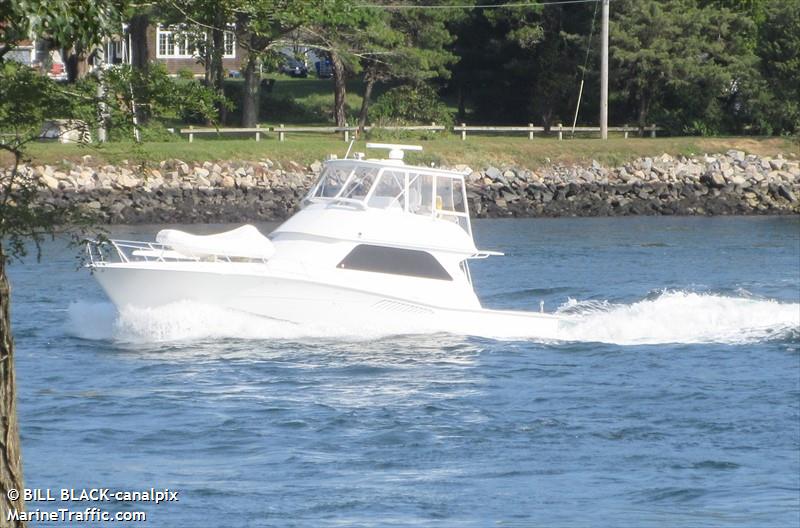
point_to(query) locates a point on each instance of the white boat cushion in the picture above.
(242, 242)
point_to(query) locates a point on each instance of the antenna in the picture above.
(350, 147)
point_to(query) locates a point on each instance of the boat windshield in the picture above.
(402, 189)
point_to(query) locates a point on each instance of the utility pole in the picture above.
(604, 73)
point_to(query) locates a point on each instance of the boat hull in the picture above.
(304, 301)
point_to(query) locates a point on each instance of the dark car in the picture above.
(324, 69)
(294, 68)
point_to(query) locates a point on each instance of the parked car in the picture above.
(294, 68)
(324, 69)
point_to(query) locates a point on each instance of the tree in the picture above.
(263, 26)
(409, 45)
(344, 32)
(684, 61)
(521, 63)
(206, 22)
(778, 106)
(26, 98)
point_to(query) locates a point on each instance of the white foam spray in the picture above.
(680, 317)
(670, 317)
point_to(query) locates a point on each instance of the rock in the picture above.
(739, 180)
(784, 191)
(316, 167)
(49, 181)
(493, 173)
(713, 179)
(737, 155)
(777, 164)
(228, 182)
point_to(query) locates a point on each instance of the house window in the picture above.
(177, 43)
(171, 44)
(396, 261)
(230, 45)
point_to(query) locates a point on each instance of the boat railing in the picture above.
(102, 251)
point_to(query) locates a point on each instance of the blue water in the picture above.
(676, 401)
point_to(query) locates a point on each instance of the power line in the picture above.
(477, 6)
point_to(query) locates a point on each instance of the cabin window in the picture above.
(420, 194)
(359, 185)
(389, 191)
(332, 180)
(395, 261)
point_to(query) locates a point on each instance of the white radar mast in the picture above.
(396, 152)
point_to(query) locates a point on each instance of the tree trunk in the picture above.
(250, 101)
(462, 102)
(362, 116)
(217, 72)
(339, 90)
(547, 121)
(139, 50)
(76, 63)
(10, 457)
(642, 114)
(140, 61)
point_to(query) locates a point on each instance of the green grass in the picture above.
(477, 151)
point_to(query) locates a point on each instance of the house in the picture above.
(180, 49)
(177, 47)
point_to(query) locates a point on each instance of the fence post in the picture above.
(346, 133)
(652, 131)
(560, 132)
(258, 134)
(625, 129)
(463, 131)
(530, 132)
(281, 134)
(191, 136)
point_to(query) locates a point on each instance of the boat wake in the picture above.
(668, 317)
(681, 317)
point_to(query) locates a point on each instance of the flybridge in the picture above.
(391, 185)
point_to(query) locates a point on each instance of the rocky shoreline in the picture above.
(172, 191)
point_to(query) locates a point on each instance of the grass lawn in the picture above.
(477, 151)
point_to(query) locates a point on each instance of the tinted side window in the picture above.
(380, 259)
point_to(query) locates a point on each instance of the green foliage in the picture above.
(162, 96)
(26, 100)
(681, 62)
(411, 105)
(64, 22)
(185, 74)
(777, 108)
(521, 65)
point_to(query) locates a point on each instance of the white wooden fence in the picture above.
(347, 131)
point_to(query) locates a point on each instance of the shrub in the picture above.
(411, 105)
(185, 73)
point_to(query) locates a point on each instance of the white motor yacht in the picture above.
(376, 242)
